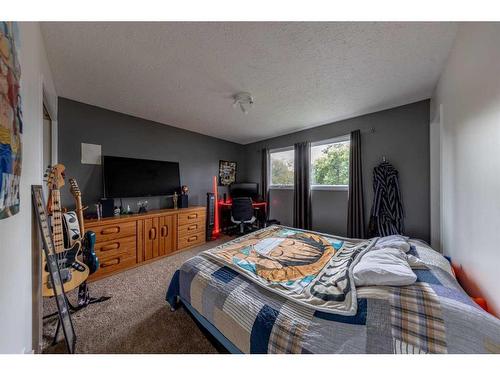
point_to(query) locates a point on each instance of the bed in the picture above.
(301, 298)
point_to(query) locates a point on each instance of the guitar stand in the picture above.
(84, 298)
(73, 309)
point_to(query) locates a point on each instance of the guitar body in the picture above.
(73, 271)
(89, 256)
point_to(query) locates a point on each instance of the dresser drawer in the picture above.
(191, 217)
(187, 229)
(191, 240)
(113, 264)
(118, 246)
(112, 231)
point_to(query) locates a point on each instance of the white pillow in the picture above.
(395, 241)
(386, 266)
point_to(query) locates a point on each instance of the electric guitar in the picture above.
(89, 256)
(73, 272)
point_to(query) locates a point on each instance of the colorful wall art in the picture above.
(11, 125)
(227, 172)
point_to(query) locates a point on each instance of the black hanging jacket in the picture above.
(387, 215)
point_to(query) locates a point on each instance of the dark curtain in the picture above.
(264, 179)
(302, 217)
(355, 205)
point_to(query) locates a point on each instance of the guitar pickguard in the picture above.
(67, 258)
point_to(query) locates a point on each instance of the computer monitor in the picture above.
(244, 189)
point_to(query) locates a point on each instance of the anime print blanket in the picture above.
(310, 268)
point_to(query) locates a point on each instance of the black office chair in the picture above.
(242, 212)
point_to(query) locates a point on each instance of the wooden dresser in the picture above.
(129, 240)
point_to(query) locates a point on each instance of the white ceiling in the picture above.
(300, 74)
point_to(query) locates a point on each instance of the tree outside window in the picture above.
(282, 167)
(330, 164)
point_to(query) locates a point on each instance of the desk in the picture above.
(225, 207)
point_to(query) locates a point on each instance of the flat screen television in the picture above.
(128, 177)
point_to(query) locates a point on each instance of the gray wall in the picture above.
(401, 134)
(128, 136)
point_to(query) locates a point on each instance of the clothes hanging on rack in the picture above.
(387, 215)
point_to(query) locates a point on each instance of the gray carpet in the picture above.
(136, 319)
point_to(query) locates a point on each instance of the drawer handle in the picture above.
(164, 231)
(192, 216)
(113, 262)
(152, 233)
(113, 246)
(194, 226)
(110, 230)
(192, 238)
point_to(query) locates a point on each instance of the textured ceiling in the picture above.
(300, 74)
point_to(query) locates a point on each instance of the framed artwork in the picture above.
(227, 172)
(11, 125)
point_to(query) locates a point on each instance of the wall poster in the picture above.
(11, 125)
(227, 172)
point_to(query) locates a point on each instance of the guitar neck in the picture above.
(79, 212)
(57, 226)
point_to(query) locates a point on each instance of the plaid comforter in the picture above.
(433, 315)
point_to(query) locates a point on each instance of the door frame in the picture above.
(436, 199)
(36, 254)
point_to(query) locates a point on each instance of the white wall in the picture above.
(15, 232)
(469, 92)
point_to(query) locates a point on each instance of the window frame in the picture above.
(339, 139)
(269, 182)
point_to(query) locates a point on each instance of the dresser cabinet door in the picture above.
(167, 234)
(151, 238)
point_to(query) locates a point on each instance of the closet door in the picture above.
(151, 238)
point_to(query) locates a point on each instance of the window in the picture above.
(330, 164)
(282, 167)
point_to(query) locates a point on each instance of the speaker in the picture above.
(210, 215)
(108, 206)
(183, 202)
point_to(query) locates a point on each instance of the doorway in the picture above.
(47, 141)
(37, 301)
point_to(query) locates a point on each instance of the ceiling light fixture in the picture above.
(244, 100)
